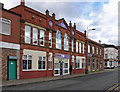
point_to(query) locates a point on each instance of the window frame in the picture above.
(80, 50)
(83, 48)
(50, 60)
(72, 45)
(76, 46)
(27, 59)
(73, 62)
(59, 38)
(66, 40)
(42, 63)
(50, 42)
(35, 36)
(43, 37)
(5, 23)
(29, 35)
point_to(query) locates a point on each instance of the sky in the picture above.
(99, 14)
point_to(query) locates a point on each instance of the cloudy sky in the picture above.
(99, 14)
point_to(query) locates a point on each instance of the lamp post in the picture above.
(86, 71)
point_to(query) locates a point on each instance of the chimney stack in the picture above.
(70, 24)
(1, 5)
(74, 26)
(100, 41)
(47, 13)
(53, 15)
(23, 2)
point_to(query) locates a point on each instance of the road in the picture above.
(100, 81)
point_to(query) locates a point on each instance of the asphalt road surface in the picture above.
(100, 81)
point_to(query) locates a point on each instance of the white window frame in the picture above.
(80, 51)
(88, 48)
(83, 48)
(50, 60)
(76, 46)
(73, 61)
(66, 40)
(100, 51)
(77, 60)
(27, 62)
(29, 35)
(50, 42)
(42, 63)
(97, 51)
(72, 45)
(93, 50)
(35, 29)
(59, 38)
(5, 21)
(43, 37)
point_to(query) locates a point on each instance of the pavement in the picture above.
(36, 80)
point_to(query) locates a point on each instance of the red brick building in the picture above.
(95, 56)
(48, 47)
(9, 43)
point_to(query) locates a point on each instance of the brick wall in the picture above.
(5, 54)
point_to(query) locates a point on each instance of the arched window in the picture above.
(58, 39)
(66, 42)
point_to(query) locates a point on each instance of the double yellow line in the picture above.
(113, 87)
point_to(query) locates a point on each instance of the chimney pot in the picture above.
(47, 13)
(53, 15)
(23, 2)
(1, 5)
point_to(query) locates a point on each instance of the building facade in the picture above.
(9, 43)
(48, 47)
(95, 56)
(110, 56)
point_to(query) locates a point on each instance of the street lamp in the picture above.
(86, 71)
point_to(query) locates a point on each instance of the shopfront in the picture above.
(61, 64)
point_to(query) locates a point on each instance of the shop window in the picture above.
(83, 48)
(42, 63)
(106, 56)
(77, 64)
(65, 65)
(80, 47)
(58, 39)
(6, 26)
(89, 63)
(57, 65)
(105, 63)
(50, 61)
(110, 63)
(27, 34)
(93, 64)
(83, 63)
(50, 40)
(72, 45)
(66, 42)
(27, 62)
(76, 46)
(35, 36)
(97, 64)
(101, 64)
(41, 38)
(73, 62)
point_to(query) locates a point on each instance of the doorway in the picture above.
(12, 70)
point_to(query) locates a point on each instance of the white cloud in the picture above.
(105, 21)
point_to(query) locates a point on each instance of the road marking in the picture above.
(113, 87)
